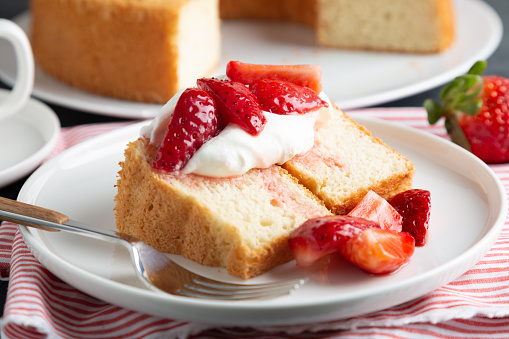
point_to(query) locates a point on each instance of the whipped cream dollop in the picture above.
(234, 152)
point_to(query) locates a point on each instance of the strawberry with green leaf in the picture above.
(476, 111)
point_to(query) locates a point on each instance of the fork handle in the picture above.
(28, 210)
(49, 220)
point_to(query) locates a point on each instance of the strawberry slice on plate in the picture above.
(379, 251)
(374, 207)
(415, 208)
(302, 75)
(235, 103)
(319, 237)
(360, 241)
(284, 97)
(194, 122)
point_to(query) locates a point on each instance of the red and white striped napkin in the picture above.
(39, 305)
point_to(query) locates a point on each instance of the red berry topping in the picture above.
(302, 75)
(236, 104)
(193, 123)
(476, 111)
(379, 251)
(415, 206)
(319, 237)
(283, 97)
(374, 207)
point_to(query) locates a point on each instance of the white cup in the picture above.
(20, 93)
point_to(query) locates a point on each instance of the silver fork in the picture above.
(154, 267)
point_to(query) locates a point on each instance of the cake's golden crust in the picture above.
(165, 217)
(117, 48)
(84, 44)
(446, 17)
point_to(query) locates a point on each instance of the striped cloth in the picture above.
(39, 305)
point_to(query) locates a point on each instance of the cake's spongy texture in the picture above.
(242, 223)
(128, 49)
(412, 26)
(346, 162)
(415, 26)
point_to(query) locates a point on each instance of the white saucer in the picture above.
(25, 139)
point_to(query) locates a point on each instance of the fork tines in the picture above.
(209, 289)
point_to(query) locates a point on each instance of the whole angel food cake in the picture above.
(230, 167)
(146, 50)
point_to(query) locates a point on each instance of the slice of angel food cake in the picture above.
(229, 168)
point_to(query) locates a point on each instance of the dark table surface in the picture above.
(498, 64)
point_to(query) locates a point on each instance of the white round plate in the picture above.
(350, 78)
(467, 199)
(25, 139)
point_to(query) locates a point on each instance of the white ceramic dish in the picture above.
(467, 199)
(350, 78)
(25, 139)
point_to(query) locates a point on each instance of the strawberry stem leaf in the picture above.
(456, 132)
(459, 97)
(478, 68)
(471, 108)
(435, 111)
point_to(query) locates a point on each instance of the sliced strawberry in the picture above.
(236, 103)
(194, 121)
(379, 251)
(415, 207)
(319, 237)
(302, 75)
(283, 97)
(374, 207)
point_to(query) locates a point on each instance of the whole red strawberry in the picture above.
(194, 122)
(415, 207)
(476, 110)
(236, 104)
(283, 97)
